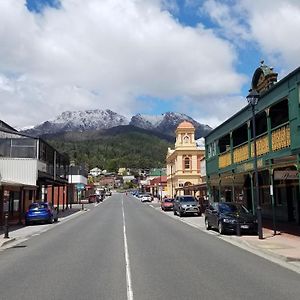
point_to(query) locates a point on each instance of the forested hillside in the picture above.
(132, 148)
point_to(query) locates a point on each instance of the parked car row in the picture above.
(226, 217)
(143, 197)
(181, 205)
(99, 197)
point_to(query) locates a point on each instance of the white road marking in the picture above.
(128, 273)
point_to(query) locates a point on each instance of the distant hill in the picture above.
(122, 146)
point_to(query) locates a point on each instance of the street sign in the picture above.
(286, 175)
(79, 186)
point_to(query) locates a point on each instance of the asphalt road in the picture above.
(161, 258)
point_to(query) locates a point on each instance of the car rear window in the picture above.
(38, 205)
(232, 208)
(187, 199)
(168, 200)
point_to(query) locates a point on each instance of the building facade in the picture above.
(184, 162)
(230, 149)
(28, 165)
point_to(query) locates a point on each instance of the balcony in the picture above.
(225, 159)
(240, 153)
(280, 139)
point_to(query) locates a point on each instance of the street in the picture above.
(124, 249)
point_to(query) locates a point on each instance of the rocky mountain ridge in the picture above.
(90, 120)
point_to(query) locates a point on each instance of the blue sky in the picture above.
(145, 56)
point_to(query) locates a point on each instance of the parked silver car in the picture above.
(186, 205)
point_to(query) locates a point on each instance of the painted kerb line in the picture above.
(127, 262)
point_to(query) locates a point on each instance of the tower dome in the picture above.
(185, 124)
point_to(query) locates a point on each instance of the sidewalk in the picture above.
(283, 246)
(20, 232)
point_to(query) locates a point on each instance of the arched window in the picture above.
(187, 163)
(186, 139)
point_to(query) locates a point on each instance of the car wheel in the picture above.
(221, 228)
(207, 226)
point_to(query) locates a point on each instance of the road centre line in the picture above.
(127, 261)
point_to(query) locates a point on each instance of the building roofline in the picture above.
(262, 95)
(8, 126)
(14, 131)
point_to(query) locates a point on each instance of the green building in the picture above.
(230, 152)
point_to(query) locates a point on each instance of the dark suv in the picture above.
(186, 205)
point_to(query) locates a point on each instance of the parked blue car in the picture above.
(41, 212)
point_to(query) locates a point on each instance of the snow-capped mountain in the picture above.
(98, 119)
(167, 123)
(146, 121)
(80, 121)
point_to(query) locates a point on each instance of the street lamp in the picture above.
(252, 99)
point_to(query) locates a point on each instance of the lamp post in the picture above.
(252, 99)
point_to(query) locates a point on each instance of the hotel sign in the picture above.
(249, 166)
(286, 175)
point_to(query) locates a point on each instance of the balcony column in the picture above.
(208, 185)
(249, 139)
(233, 188)
(272, 199)
(64, 197)
(252, 194)
(52, 196)
(219, 187)
(269, 128)
(21, 205)
(231, 147)
(58, 198)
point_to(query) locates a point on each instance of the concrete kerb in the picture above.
(6, 241)
(284, 261)
(13, 241)
(236, 241)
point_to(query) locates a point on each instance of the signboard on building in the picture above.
(286, 175)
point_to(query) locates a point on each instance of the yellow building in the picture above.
(184, 162)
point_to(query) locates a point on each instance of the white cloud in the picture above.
(275, 26)
(269, 26)
(229, 17)
(216, 111)
(119, 48)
